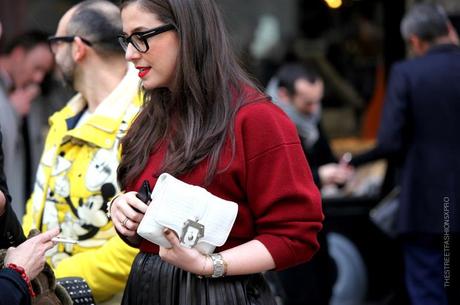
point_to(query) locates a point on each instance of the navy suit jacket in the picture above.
(420, 127)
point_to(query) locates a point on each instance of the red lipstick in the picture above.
(143, 71)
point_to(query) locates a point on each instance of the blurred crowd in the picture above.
(67, 101)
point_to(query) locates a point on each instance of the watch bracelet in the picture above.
(219, 265)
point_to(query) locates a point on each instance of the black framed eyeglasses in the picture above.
(139, 39)
(54, 40)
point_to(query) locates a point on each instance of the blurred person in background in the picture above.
(298, 90)
(23, 66)
(419, 130)
(11, 233)
(23, 262)
(76, 176)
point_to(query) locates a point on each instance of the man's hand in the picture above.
(333, 173)
(30, 255)
(2, 203)
(22, 98)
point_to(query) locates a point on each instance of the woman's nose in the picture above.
(131, 53)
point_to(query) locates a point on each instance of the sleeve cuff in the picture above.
(14, 280)
(283, 253)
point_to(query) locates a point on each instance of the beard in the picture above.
(66, 78)
(66, 71)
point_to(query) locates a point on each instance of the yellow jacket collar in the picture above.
(101, 127)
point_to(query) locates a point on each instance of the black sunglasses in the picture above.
(53, 40)
(139, 39)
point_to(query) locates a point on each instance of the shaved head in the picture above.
(98, 21)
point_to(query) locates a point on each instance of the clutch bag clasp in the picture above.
(192, 231)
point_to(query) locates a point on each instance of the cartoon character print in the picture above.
(89, 214)
(39, 186)
(62, 188)
(84, 216)
(102, 169)
(101, 176)
(50, 221)
(92, 212)
(67, 231)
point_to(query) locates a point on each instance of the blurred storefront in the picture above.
(352, 42)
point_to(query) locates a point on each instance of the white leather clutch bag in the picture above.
(200, 219)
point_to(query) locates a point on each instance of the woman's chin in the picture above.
(148, 84)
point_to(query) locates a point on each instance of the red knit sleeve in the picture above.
(282, 196)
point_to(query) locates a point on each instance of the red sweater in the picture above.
(269, 179)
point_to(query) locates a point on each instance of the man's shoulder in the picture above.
(441, 56)
(409, 65)
(425, 68)
(73, 106)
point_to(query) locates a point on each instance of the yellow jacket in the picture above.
(75, 180)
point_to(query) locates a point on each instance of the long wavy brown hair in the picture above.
(196, 115)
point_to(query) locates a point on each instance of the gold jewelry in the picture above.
(109, 204)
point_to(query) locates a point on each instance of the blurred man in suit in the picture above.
(419, 129)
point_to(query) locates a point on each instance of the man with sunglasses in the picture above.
(77, 173)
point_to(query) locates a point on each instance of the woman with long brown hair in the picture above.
(204, 122)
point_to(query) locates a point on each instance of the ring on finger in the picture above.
(124, 222)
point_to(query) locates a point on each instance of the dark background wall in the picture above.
(352, 44)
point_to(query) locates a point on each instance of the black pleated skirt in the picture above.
(153, 281)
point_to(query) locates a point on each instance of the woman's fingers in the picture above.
(125, 230)
(172, 237)
(130, 224)
(136, 203)
(130, 206)
(127, 212)
(185, 258)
